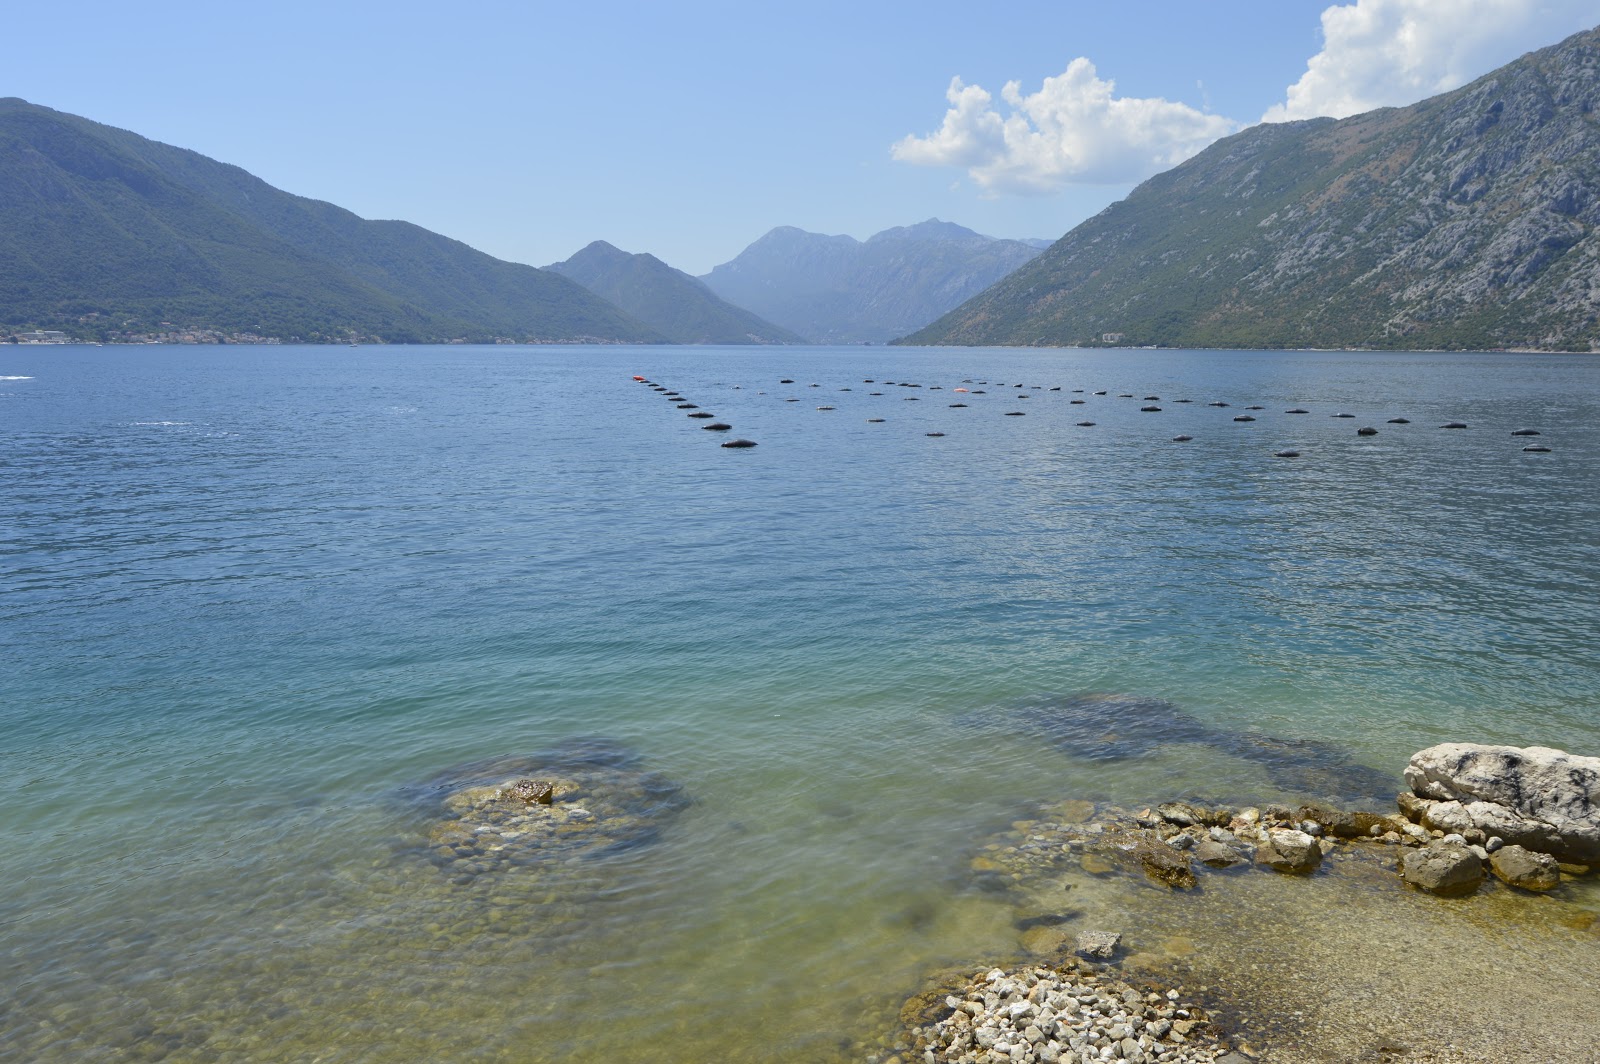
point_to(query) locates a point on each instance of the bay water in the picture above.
(251, 598)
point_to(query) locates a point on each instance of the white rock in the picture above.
(1552, 797)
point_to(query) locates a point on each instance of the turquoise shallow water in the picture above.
(252, 595)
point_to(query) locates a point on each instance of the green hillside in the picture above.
(1466, 221)
(103, 232)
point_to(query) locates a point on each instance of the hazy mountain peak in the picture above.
(837, 289)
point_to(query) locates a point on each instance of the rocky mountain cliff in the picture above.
(104, 233)
(678, 306)
(836, 289)
(1464, 221)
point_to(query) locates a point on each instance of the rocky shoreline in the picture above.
(1064, 1013)
(1066, 1006)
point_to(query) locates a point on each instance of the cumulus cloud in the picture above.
(1383, 53)
(1074, 130)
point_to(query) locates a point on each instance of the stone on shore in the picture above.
(1217, 854)
(1448, 869)
(1347, 825)
(1535, 797)
(1289, 851)
(1518, 867)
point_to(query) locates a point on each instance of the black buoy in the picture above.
(1099, 393)
(1537, 448)
(1399, 421)
(980, 391)
(1183, 400)
(1182, 439)
(1086, 424)
(701, 413)
(1342, 415)
(1014, 413)
(786, 380)
(717, 426)
(874, 420)
(1286, 454)
(1077, 402)
(1149, 410)
(1454, 425)
(874, 393)
(687, 406)
(740, 443)
(1368, 431)
(958, 406)
(1255, 408)
(824, 408)
(1152, 398)
(1216, 404)
(933, 434)
(791, 400)
(1297, 410)
(1244, 417)
(1525, 432)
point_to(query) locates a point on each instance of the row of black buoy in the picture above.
(1149, 409)
(695, 412)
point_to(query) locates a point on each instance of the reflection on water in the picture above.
(236, 640)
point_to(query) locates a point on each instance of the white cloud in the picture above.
(1074, 130)
(1382, 53)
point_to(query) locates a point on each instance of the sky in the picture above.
(688, 129)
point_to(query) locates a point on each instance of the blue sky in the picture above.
(689, 129)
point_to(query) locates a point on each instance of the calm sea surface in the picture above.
(251, 598)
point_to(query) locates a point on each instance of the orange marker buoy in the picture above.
(960, 389)
(638, 378)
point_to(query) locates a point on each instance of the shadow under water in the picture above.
(1115, 727)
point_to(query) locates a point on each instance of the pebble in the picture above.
(1060, 1014)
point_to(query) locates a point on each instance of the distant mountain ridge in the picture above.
(103, 230)
(678, 306)
(836, 289)
(1465, 221)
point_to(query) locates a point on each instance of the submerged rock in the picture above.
(1164, 864)
(1117, 727)
(586, 798)
(1100, 945)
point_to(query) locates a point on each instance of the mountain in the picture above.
(1466, 221)
(103, 232)
(678, 306)
(836, 289)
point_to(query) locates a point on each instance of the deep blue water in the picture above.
(249, 595)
